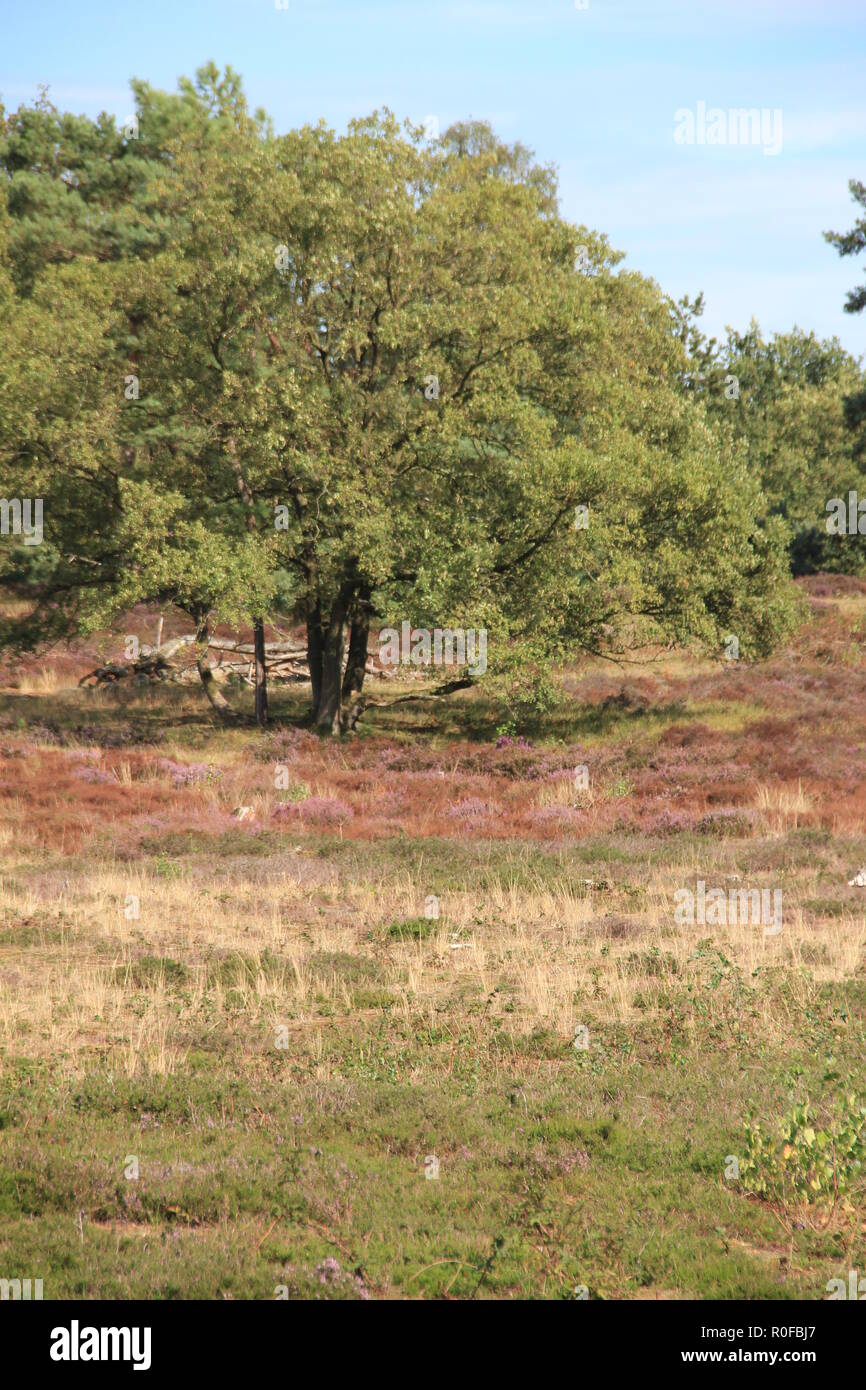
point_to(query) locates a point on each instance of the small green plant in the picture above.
(622, 786)
(165, 867)
(415, 929)
(153, 971)
(807, 1163)
(297, 791)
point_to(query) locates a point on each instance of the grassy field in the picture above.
(238, 1057)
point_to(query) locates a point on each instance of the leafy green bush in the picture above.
(531, 697)
(807, 1163)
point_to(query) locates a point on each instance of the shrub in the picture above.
(296, 791)
(415, 929)
(150, 971)
(807, 1164)
(532, 697)
(471, 808)
(730, 821)
(668, 823)
(188, 774)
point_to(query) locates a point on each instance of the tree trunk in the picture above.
(314, 654)
(356, 667)
(333, 648)
(261, 673)
(353, 714)
(245, 493)
(211, 690)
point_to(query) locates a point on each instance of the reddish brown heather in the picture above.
(725, 748)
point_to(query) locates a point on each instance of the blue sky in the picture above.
(593, 91)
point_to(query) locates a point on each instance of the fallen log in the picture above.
(286, 661)
(224, 644)
(151, 668)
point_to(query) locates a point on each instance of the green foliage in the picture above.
(296, 791)
(370, 376)
(160, 972)
(531, 697)
(81, 188)
(852, 243)
(789, 407)
(414, 929)
(808, 1162)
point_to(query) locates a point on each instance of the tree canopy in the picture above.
(369, 377)
(787, 402)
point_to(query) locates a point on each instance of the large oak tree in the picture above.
(387, 368)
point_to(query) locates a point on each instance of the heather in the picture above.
(288, 973)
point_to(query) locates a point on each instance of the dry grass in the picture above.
(566, 791)
(45, 681)
(526, 959)
(783, 808)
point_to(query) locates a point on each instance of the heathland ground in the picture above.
(241, 1056)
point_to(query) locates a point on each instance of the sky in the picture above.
(604, 90)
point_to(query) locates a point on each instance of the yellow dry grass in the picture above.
(260, 954)
(45, 681)
(781, 807)
(566, 791)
